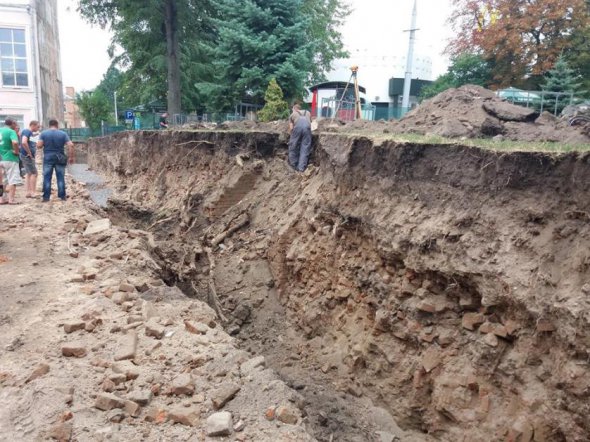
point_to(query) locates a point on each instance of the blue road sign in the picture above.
(129, 115)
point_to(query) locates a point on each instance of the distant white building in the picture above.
(376, 42)
(30, 70)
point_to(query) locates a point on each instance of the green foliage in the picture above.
(138, 28)
(276, 107)
(325, 19)
(258, 40)
(561, 78)
(464, 69)
(95, 108)
(229, 51)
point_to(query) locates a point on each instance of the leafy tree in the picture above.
(259, 40)
(94, 108)
(521, 37)
(464, 69)
(149, 33)
(325, 19)
(276, 107)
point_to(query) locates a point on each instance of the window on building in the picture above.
(13, 58)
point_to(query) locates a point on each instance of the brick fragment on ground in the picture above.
(74, 350)
(219, 424)
(127, 347)
(153, 329)
(287, 414)
(183, 385)
(196, 327)
(108, 401)
(41, 370)
(186, 416)
(471, 320)
(70, 327)
(224, 394)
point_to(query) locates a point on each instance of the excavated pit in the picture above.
(441, 289)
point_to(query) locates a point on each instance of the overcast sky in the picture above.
(375, 25)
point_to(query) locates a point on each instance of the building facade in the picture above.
(31, 85)
(72, 117)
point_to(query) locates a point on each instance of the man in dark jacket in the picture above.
(53, 142)
(300, 142)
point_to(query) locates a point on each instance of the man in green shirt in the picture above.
(9, 151)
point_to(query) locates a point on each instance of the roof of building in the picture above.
(335, 85)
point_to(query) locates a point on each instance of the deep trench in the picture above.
(359, 299)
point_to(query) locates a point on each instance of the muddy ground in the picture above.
(412, 292)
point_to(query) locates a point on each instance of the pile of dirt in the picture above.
(474, 112)
(443, 289)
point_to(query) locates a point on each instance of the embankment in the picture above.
(445, 286)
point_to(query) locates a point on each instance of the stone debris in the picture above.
(223, 395)
(431, 359)
(127, 347)
(196, 327)
(126, 368)
(219, 424)
(97, 226)
(287, 415)
(185, 416)
(74, 350)
(153, 329)
(126, 287)
(249, 366)
(41, 370)
(142, 397)
(71, 327)
(183, 385)
(471, 320)
(108, 401)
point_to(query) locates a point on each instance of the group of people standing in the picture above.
(22, 146)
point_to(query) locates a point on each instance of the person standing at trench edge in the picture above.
(53, 142)
(300, 141)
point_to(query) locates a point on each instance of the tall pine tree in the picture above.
(561, 79)
(259, 40)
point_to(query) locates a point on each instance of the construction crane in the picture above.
(357, 97)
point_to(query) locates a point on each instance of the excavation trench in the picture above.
(418, 291)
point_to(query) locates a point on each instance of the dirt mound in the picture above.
(474, 112)
(448, 285)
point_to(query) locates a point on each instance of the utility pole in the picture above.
(116, 113)
(410, 60)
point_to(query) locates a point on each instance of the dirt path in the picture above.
(93, 345)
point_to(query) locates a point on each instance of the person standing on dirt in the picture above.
(28, 151)
(9, 151)
(53, 142)
(300, 142)
(164, 121)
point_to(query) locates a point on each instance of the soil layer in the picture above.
(441, 289)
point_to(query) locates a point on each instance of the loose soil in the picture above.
(411, 292)
(464, 113)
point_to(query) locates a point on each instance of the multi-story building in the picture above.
(30, 71)
(72, 117)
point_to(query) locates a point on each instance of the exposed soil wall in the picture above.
(442, 285)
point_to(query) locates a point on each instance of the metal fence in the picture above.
(344, 110)
(553, 102)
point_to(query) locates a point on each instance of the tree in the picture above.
(149, 33)
(464, 69)
(325, 19)
(259, 40)
(94, 108)
(522, 38)
(561, 79)
(275, 107)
